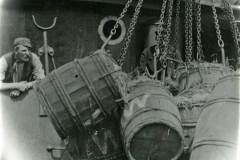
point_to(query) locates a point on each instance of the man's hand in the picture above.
(15, 93)
(30, 84)
(22, 86)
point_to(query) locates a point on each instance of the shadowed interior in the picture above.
(155, 142)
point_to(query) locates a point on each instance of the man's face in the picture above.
(22, 53)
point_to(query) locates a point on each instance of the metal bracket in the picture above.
(62, 149)
(45, 45)
(50, 51)
(44, 28)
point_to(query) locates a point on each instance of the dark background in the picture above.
(75, 34)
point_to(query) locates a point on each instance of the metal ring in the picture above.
(220, 43)
(112, 31)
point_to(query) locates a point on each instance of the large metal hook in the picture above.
(155, 71)
(44, 28)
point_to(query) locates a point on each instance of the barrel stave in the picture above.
(150, 110)
(74, 92)
(217, 129)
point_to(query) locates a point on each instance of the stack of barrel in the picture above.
(104, 116)
(195, 86)
(82, 99)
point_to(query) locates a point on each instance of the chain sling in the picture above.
(189, 56)
(158, 42)
(116, 25)
(200, 55)
(188, 30)
(129, 33)
(186, 26)
(218, 32)
(168, 34)
(160, 27)
(166, 41)
(162, 40)
(234, 28)
(176, 27)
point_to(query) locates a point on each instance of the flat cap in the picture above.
(22, 41)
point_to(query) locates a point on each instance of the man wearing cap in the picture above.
(20, 68)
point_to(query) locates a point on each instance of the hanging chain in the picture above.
(116, 25)
(159, 41)
(129, 33)
(186, 29)
(176, 27)
(160, 24)
(189, 56)
(200, 55)
(168, 31)
(234, 28)
(219, 36)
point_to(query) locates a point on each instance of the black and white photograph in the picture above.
(119, 79)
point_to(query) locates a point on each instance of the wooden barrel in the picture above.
(151, 124)
(217, 128)
(81, 93)
(190, 104)
(102, 142)
(197, 73)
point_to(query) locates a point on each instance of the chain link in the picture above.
(176, 27)
(200, 55)
(186, 29)
(160, 24)
(168, 31)
(189, 56)
(234, 28)
(158, 38)
(129, 33)
(116, 25)
(124, 11)
(217, 27)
